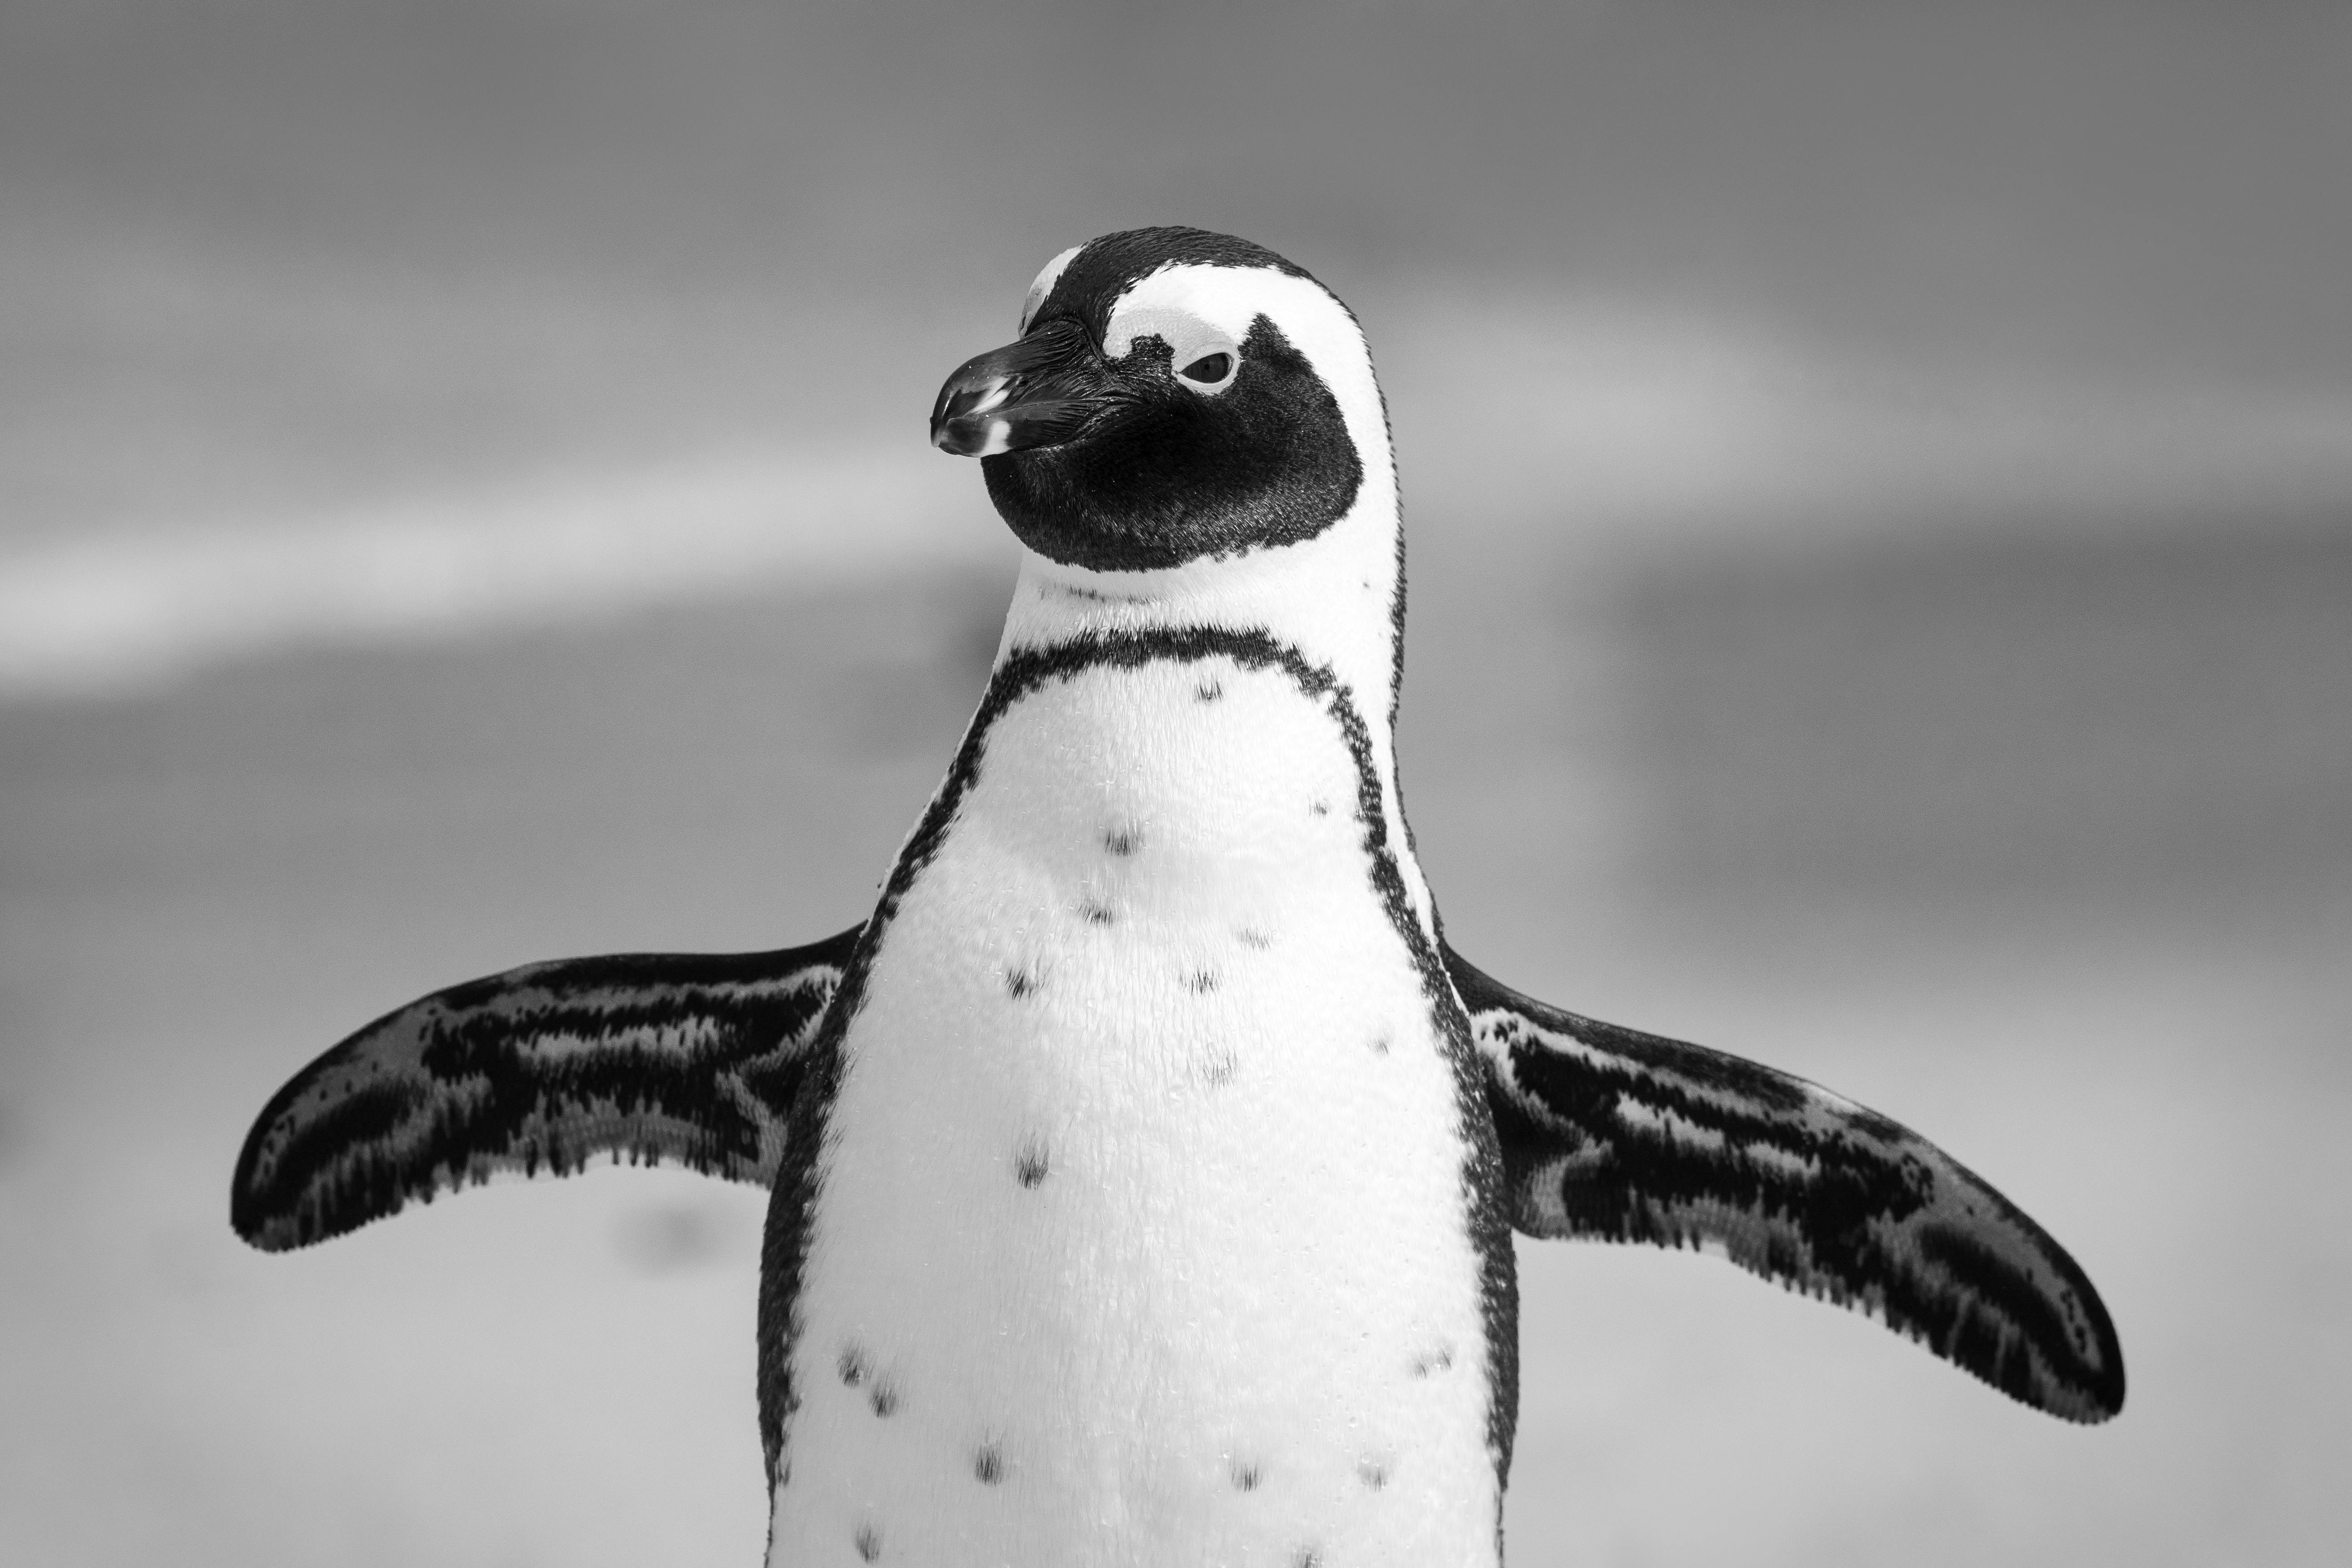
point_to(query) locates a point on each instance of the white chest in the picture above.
(1143, 1234)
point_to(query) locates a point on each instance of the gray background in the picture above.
(1880, 485)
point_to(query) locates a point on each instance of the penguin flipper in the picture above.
(689, 1057)
(1612, 1135)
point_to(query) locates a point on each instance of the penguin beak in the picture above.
(1038, 392)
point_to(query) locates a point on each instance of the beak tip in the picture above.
(973, 435)
(955, 437)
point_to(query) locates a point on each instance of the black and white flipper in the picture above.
(686, 1057)
(1612, 1135)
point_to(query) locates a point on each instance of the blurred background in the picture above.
(1880, 491)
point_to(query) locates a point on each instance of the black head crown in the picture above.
(1136, 425)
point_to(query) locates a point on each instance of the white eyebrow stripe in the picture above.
(1222, 300)
(1229, 301)
(1044, 285)
(1188, 335)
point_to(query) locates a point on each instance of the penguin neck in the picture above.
(1337, 599)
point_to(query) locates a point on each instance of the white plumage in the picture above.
(1144, 1181)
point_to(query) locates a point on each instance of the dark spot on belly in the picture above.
(1095, 914)
(1209, 690)
(1438, 1360)
(1201, 982)
(1307, 1557)
(1030, 1162)
(1379, 1044)
(1374, 1473)
(1218, 1070)
(987, 1465)
(1246, 1477)
(1123, 840)
(1019, 983)
(1250, 936)
(855, 1365)
(1318, 808)
(869, 1543)
(884, 1397)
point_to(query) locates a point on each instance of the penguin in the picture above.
(1143, 1167)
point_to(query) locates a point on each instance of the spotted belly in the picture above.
(1141, 1232)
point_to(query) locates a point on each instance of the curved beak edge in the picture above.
(1009, 400)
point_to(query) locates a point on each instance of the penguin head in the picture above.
(1173, 395)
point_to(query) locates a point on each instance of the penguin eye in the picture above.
(1209, 370)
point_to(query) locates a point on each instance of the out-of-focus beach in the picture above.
(1880, 493)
